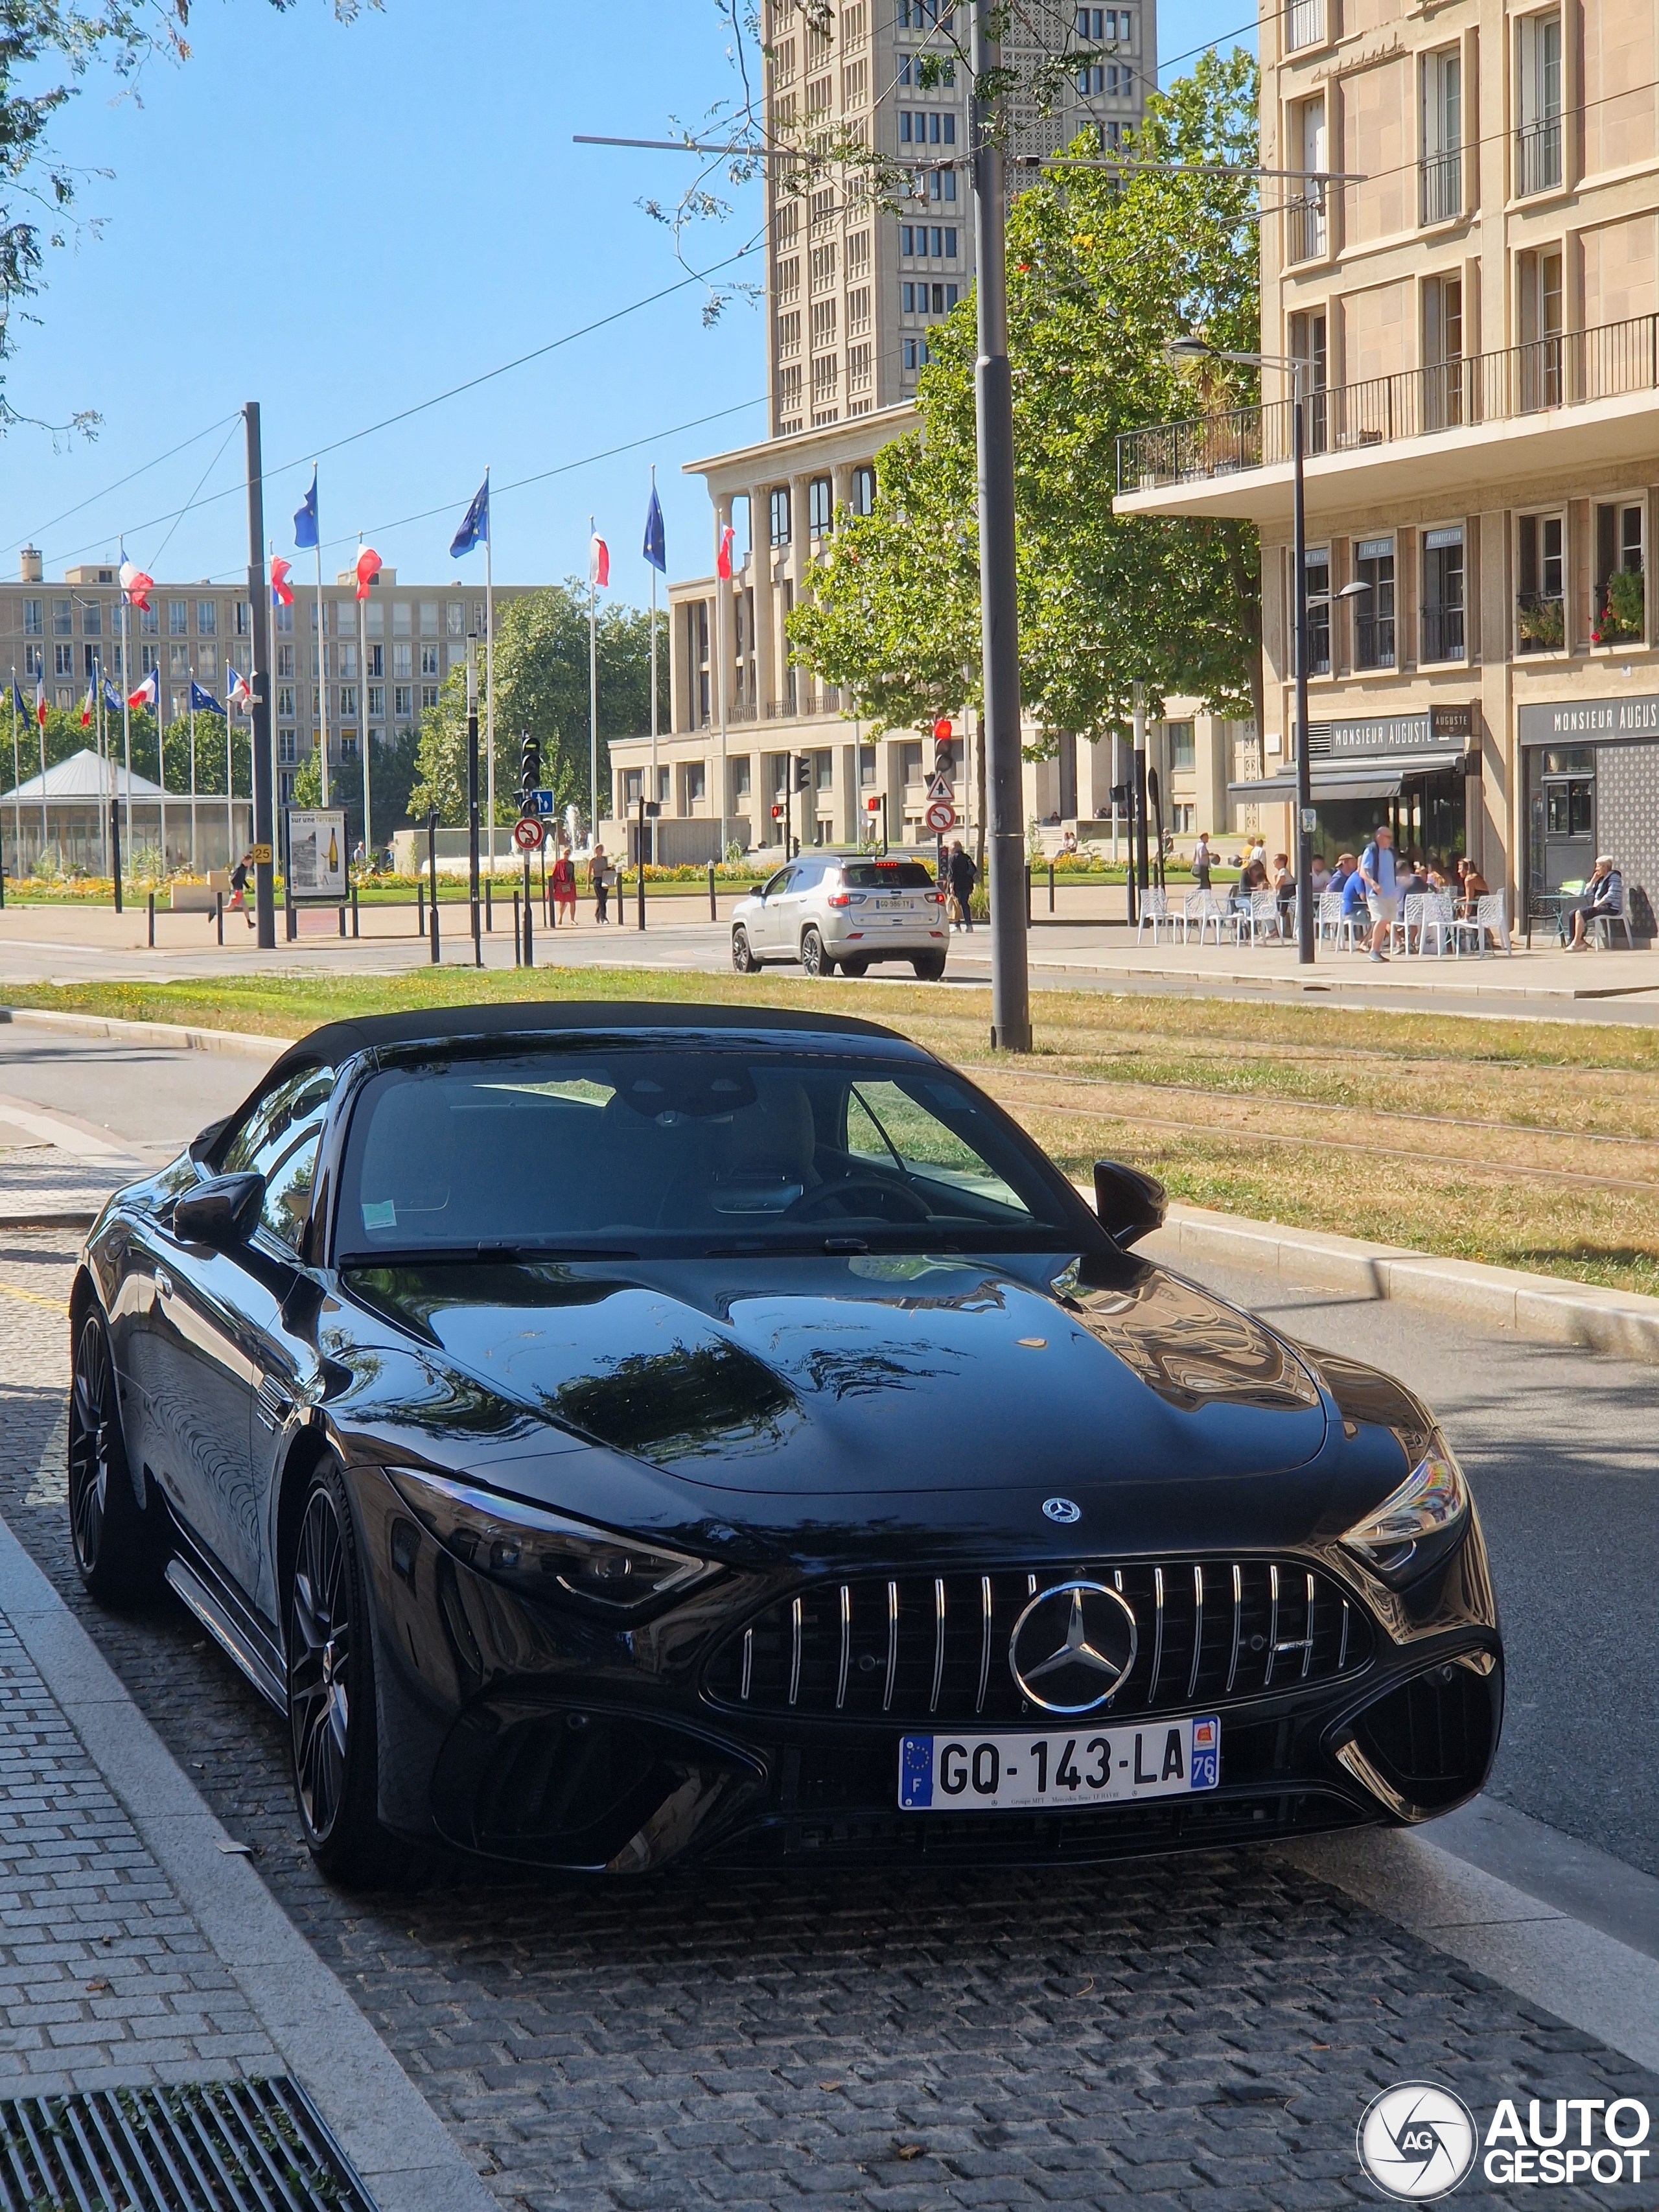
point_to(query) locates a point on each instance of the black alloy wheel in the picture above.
(115, 1548)
(813, 958)
(331, 1689)
(929, 966)
(743, 953)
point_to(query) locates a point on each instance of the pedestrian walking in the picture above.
(563, 883)
(599, 877)
(1376, 867)
(964, 878)
(1202, 858)
(239, 890)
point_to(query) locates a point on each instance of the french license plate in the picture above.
(896, 906)
(1084, 1767)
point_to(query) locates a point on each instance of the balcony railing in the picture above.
(1538, 156)
(1572, 370)
(1440, 186)
(1443, 633)
(1306, 236)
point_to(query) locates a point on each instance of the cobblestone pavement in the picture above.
(1197, 2034)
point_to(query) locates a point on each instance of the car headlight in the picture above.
(539, 1553)
(1418, 1524)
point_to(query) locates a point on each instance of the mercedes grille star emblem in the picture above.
(1072, 1647)
(1061, 1508)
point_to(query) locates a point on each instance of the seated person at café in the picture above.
(1355, 906)
(1319, 875)
(1347, 864)
(1253, 876)
(1604, 894)
(1411, 877)
(1473, 886)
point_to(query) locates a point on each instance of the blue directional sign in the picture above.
(540, 802)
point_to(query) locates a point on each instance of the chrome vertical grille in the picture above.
(921, 1648)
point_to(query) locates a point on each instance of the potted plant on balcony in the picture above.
(1621, 616)
(1543, 624)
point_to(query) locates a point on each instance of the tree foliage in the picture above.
(541, 686)
(1102, 272)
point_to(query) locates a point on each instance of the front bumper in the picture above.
(575, 1744)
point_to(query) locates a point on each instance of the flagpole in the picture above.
(98, 740)
(278, 812)
(656, 794)
(362, 701)
(230, 782)
(490, 675)
(322, 667)
(41, 719)
(592, 688)
(126, 712)
(192, 772)
(162, 762)
(722, 593)
(16, 782)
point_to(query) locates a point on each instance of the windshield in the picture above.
(706, 1148)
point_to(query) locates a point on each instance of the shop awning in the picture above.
(1379, 778)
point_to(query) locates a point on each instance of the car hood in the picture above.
(838, 1377)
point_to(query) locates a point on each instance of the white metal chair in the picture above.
(1408, 922)
(1202, 908)
(1259, 919)
(1330, 913)
(1155, 908)
(1604, 924)
(1488, 915)
(1437, 916)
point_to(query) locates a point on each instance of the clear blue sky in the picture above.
(343, 222)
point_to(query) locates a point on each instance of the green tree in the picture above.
(1102, 271)
(541, 686)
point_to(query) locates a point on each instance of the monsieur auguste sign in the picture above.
(1590, 720)
(1362, 739)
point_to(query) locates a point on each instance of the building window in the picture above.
(826, 370)
(286, 750)
(285, 699)
(285, 622)
(1541, 604)
(819, 508)
(178, 618)
(1310, 346)
(150, 621)
(862, 490)
(400, 624)
(1373, 624)
(1538, 104)
(92, 617)
(1540, 302)
(789, 334)
(428, 696)
(824, 267)
(824, 326)
(403, 659)
(1620, 609)
(33, 610)
(694, 779)
(89, 659)
(62, 617)
(403, 701)
(348, 652)
(1305, 24)
(1443, 594)
(177, 659)
(788, 399)
(926, 126)
(377, 702)
(33, 660)
(1440, 173)
(857, 311)
(207, 662)
(63, 659)
(428, 660)
(916, 355)
(348, 699)
(866, 768)
(150, 658)
(1443, 353)
(1307, 237)
(1183, 747)
(1319, 610)
(207, 618)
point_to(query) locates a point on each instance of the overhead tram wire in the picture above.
(155, 558)
(92, 500)
(564, 468)
(471, 384)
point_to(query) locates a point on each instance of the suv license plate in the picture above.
(1086, 1766)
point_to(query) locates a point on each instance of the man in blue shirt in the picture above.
(1377, 873)
(1354, 906)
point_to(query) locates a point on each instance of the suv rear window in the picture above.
(886, 876)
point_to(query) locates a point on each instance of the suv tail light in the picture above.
(838, 898)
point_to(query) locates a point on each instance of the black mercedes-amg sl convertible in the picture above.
(612, 1433)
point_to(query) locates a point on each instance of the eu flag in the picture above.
(654, 551)
(201, 702)
(475, 523)
(304, 516)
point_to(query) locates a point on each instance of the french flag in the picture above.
(40, 701)
(136, 585)
(148, 693)
(86, 708)
(598, 563)
(240, 698)
(282, 591)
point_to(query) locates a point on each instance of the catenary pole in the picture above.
(259, 685)
(362, 706)
(16, 782)
(1010, 1007)
(592, 687)
(126, 714)
(1305, 907)
(654, 794)
(490, 680)
(322, 672)
(192, 772)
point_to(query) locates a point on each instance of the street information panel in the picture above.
(317, 854)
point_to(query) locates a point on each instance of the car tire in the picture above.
(743, 952)
(330, 1691)
(855, 967)
(117, 1552)
(929, 966)
(814, 960)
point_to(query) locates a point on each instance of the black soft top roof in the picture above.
(337, 1041)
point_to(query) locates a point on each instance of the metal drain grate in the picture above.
(209, 2147)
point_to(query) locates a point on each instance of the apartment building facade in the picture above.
(1474, 299)
(854, 285)
(58, 631)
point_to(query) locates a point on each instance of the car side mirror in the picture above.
(222, 1213)
(1130, 1204)
(758, 891)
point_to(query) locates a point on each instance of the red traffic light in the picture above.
(943, 732)
(873, 804)
(777, 814)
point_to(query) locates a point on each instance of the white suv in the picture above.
(831, 910)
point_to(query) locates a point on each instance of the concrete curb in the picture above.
(1622, 1323)
(381, 2121)
(174, 1036)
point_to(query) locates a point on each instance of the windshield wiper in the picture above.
(426, 1255)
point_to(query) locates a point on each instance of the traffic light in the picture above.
(804, 772)
(942, 759)
(529, 764)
